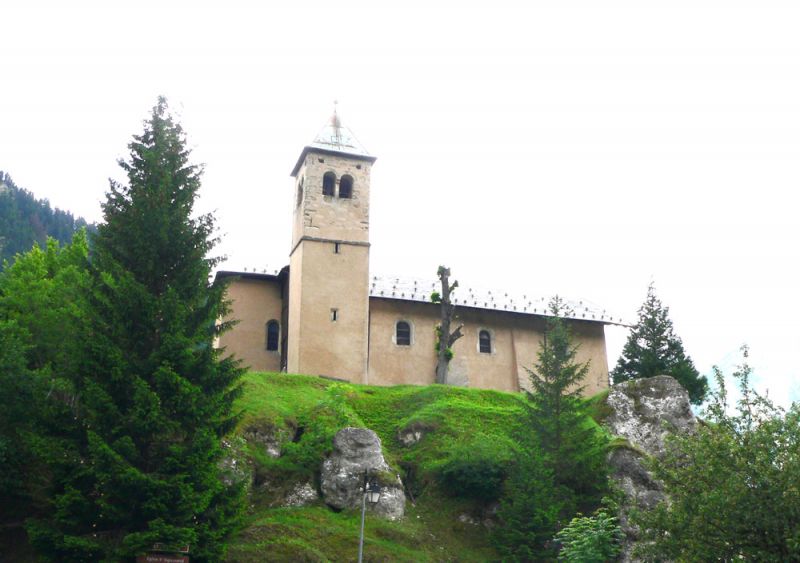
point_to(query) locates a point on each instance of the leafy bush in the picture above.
(475, 471)
(733, 484)
(590, 539)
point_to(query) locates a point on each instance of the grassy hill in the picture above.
(443, 515)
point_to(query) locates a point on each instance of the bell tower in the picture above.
(329, 259)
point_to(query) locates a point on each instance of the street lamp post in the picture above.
(372, 493)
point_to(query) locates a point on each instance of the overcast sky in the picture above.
(579, 148)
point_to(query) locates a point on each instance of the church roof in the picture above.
(416, 289)
(410, 289)
(335, 138)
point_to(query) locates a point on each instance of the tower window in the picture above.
(337, 248)
(403, 333)
(300, 192)
(485, 342)
(273, 332)
(334, 315)
(346, 186)
(328, 183)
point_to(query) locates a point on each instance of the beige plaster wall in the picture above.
(321, 280)
(254, 303)
(515, 341)
(332, 217)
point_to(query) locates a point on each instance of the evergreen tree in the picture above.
(528, 511)
(155, 395)
(573, 448)
(654, 349)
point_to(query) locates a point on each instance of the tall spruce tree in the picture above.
(653, 349)
(156, 396)
(573, 449)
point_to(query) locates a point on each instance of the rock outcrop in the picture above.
(267, 437)
(357, 451)
(303, 494)
(645, 412)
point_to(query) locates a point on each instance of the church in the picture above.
(327, 314)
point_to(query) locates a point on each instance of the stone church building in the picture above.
(326, 314)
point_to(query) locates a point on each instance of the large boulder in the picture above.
(357, 451)
(644, 412)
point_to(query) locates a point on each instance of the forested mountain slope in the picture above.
(25, 220)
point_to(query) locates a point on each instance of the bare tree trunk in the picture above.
(446, 338)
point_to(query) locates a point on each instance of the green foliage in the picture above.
(590, 539)
(43, 327)
(529, 510)
(561, 464)
(319, 425)
(448, 353)
(574, 449)
(475, 470)
(653, 349)
(436, 297)
(25, 221)
(155, 395)
(733, 484)
(45, 292)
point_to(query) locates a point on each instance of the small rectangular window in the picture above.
(403, 333)
(485, 342)
(336, 248)
(334, 315)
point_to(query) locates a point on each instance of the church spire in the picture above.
(335, 138)
(336, 123)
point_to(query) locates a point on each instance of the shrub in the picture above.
(476, 471)
(590, 538)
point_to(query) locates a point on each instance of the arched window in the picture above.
(403, 333)
(273, 332)
(328, 183)
(300, 192)
(346, 186)
(485, 342)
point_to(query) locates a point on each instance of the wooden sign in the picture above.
(162, 558)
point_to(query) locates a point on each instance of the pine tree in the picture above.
(156, 396)
(574, 450)
(654, 349)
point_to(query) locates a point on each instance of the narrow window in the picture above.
(336, 248)
(346, 187)
(334, 315)
(273, 332)
(328, 183)
(485, 342)
(403, 333)
(300, 192)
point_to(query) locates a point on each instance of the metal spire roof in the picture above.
(335, 138)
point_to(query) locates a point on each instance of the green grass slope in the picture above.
(305, 413)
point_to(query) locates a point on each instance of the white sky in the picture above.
(584, 148)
